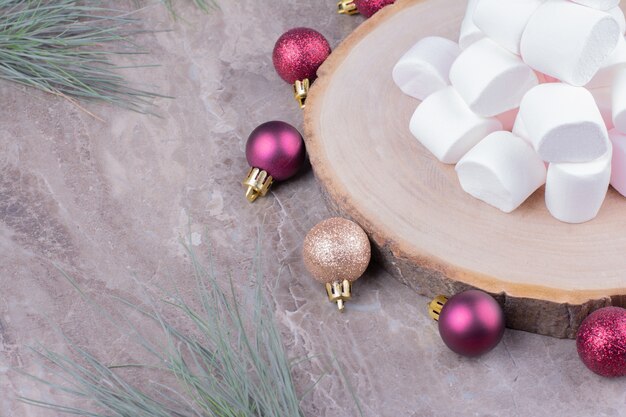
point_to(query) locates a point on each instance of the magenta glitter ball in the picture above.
(298, 54)
(276, 147)
(368, 7)
(471, 323)
(601, 342)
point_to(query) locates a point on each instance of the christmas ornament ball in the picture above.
(276, 147)
(336, 249)
(368, 7)
(471, 323)
(601, 342)
(298, 54)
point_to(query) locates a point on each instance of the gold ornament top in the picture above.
(301, 91)
(257, 183)
(347, 7)
(435, 306)
(335, 250)
(339, 292)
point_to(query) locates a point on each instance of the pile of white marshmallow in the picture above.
(534, 93)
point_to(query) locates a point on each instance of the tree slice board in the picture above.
(426, 231)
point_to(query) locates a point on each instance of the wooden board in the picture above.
(428, 233)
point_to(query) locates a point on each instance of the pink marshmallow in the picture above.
(508, 119)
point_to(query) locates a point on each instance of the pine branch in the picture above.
(232, 364)
(57, 46)
(204, 5)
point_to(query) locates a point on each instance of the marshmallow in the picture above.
(504, 21)
(491, 79)
(425, 67)
(543, 78)
(618, 164)
(502, 170)
(508, 119)
(519, 129)
(575, 192)
(564, 123)
(610, 67)
(447, 127)
(619, 101)
(568, 41)
(469, 31)
(598, 4)
(602, 96)
(618, 15)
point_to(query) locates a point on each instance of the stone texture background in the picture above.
(109, 201)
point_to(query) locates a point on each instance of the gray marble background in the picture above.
(108, 201)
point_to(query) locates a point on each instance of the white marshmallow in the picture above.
(619, 101)
(469, 31)
(618, 15)
(564, 123)
(519, 129)
(575, 192)
(502, 170)
(598, 4)
(491, 79)
(504, 21)
(618, 164)
(425, 68)
(447, 127)
(610, 67)
(568, 41)
(602, 96)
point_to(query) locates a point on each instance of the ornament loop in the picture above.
(257, 183)
(339, 292)
(347, 7)
(435, 306)
(301, 90)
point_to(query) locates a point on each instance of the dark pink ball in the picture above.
(368, 7)
(276, 147)
(601, 342)
(298, 54)
(471, 323)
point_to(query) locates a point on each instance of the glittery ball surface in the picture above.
(601, 342)
(368, 7)
(298, 54)
(336, 249)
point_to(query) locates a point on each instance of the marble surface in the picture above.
(109, 201)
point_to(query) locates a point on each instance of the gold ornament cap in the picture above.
(347, 7)
(337, 252)
(339, 292)
(301, 91)
(435, 306)
(257, 183)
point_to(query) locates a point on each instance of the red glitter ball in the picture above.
(368, 7)
(601, 342)
(298, 54)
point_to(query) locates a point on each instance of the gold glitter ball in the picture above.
(336, 249)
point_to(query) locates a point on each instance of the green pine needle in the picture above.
(233, 364)
(204, 5)
(56, 46)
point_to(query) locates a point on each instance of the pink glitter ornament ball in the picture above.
(368, 7)
(276, 147)
(471, 323)
(298, 54)
(601, 342)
